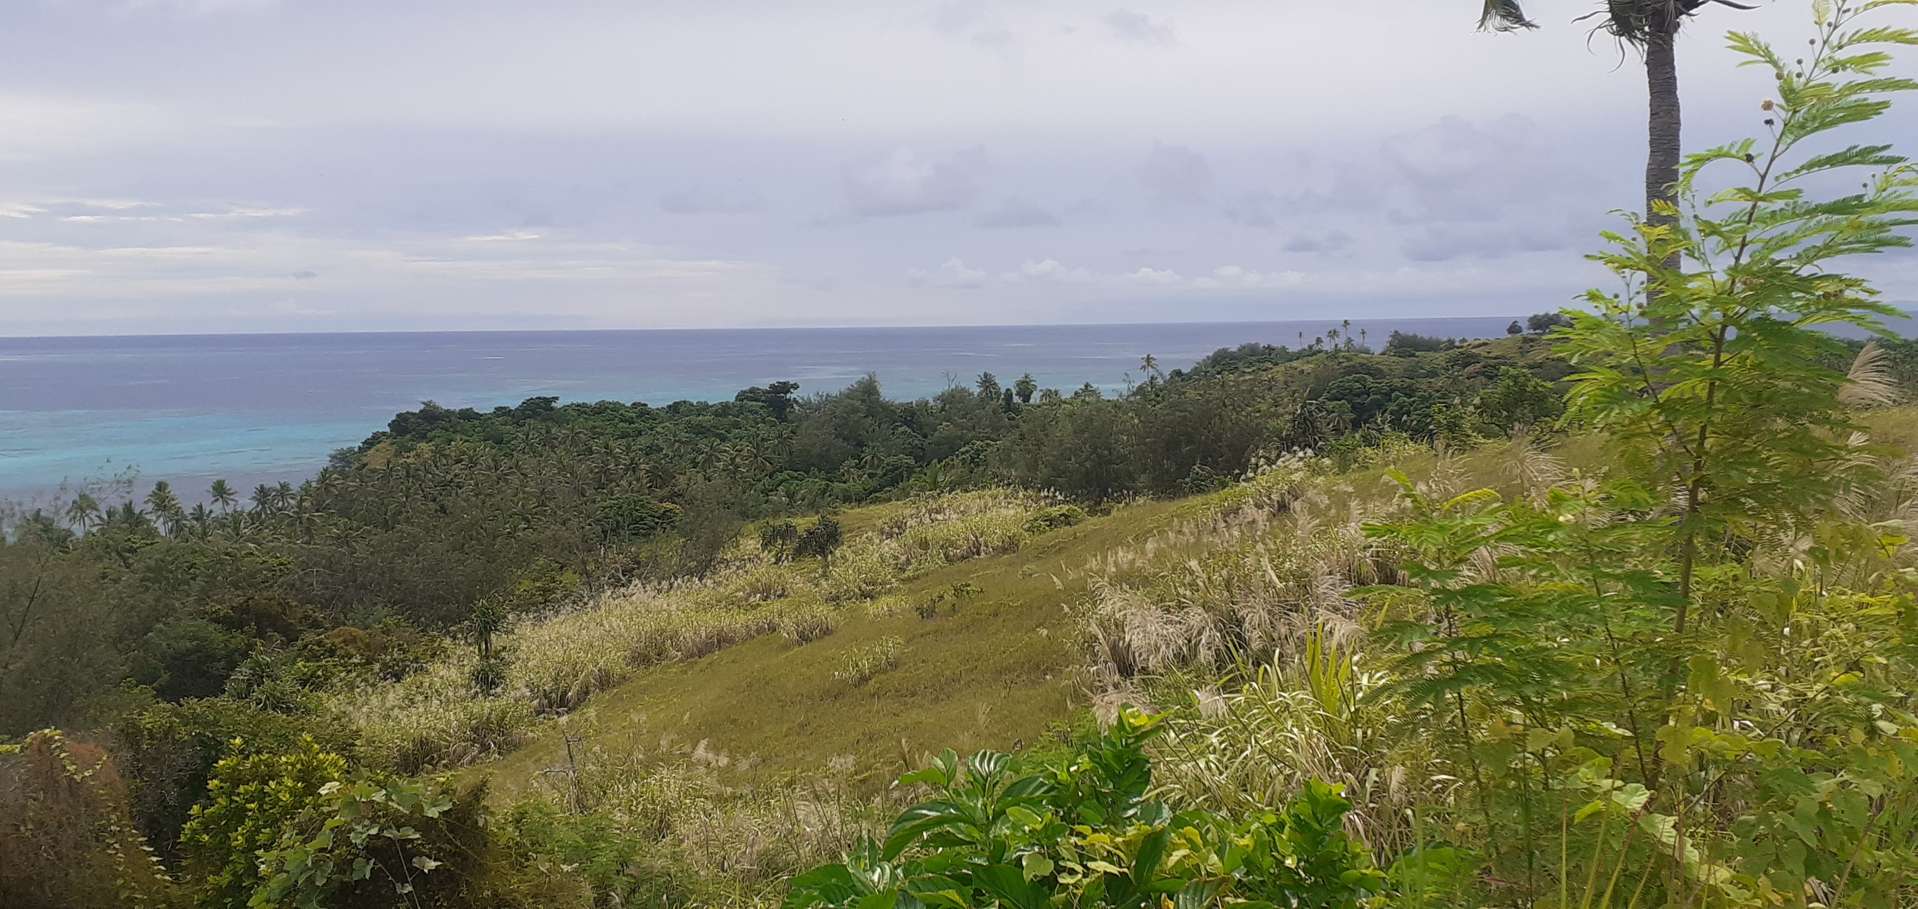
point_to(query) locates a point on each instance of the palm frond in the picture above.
(1503, 16)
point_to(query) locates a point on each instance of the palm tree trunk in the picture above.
(1661, 78)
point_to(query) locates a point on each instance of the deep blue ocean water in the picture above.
(259, 408)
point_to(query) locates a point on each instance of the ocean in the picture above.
(264, 408)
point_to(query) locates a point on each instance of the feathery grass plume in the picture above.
(805, 622)
(863, 569)
(864, 663)
(1869, 382)
(1528, 465)
(888, 606)
(433, 719)
(734, 842)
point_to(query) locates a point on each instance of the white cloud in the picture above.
(952, 273)
(1155, 277)
(190, 7)
(1048, 270)
(509, 236)
(1234, 277)
(241, 212)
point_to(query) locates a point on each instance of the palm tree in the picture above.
(1149, 365)
(223, 495)
(202, 520)
(165, 506)
(262, 498)
(1025, 388)
(83, 511)
(1650, 26)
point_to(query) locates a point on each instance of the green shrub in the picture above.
(1054, 517)
(366, 841)
(820, 540)
(168, 752)
(253, 798)
(1086, 832)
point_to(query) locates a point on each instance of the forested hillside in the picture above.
(1619, 610)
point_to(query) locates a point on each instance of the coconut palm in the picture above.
(262, 498)
(223, 495)
(1025, 388)
(83, 512)
(1149, 365)
(1650, 27)
(201, 520)
(165, 506)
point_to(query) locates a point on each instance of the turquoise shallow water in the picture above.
(261, 408)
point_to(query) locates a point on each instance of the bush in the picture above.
(67, 839)
(1405, 344)
(777, 539)
(253, 797)
(1085, 832)
(820, 540)
(169, 751)
(1054, 517)
(366, 840)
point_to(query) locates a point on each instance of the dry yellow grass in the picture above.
(556, 663)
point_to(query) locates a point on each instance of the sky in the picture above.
(341, 165)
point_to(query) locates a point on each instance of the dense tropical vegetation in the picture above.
(1617, 610)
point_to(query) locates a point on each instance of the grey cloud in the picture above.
(1254, 209)
(969, 20)
(1018, 213)
(905, 182)
(702, 200)
(305, 274)
(1333, 240)
(1461, 170)
(1175, 175)
(1140, 28)
(523, 121)
(1488, 240)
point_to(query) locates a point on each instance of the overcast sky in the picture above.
(262, 165)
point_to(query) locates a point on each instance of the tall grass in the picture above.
(554, 663)
(433, 718)
(731, 838)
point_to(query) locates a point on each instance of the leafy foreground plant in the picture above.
(1086, 832)
(1696, 671)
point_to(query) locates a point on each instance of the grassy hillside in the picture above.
(991, 668)
(1000, 662)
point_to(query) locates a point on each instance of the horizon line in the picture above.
(767, 328)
